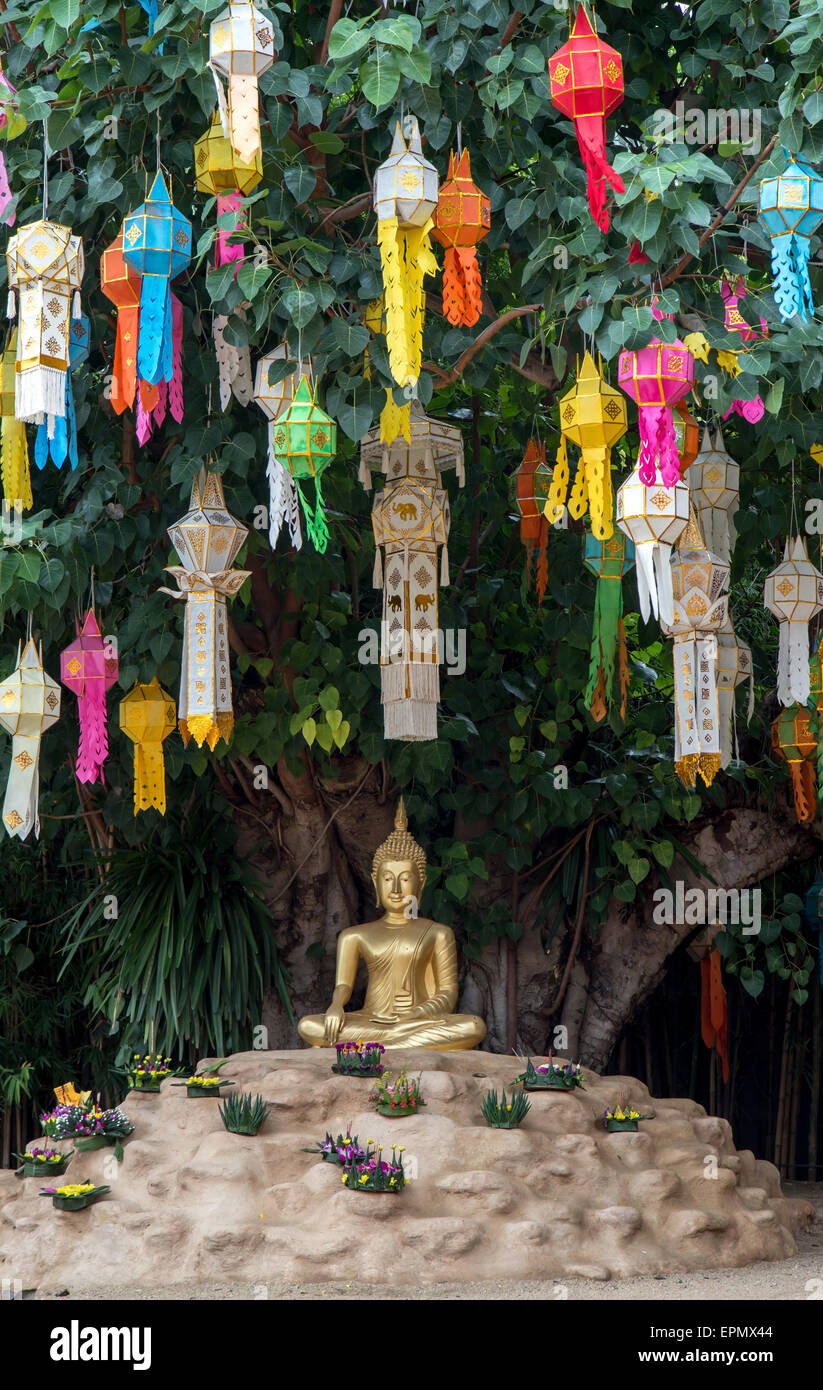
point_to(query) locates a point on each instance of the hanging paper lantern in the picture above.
(89, 669)
(608, 560)
(734, 322)
(790, 208)
(62, 443)
(793, 740)
(652, 517)
(462, 218)
(586, 78)
(29, 704)
(410, 520)
(241, 48)
(592, 416)
(305, 442)
(121, 284)
(714, 479)
(157, 244)
(714, 1011)
(532, 481)
(656, 377)
(7, 214)
(794, 594)
(734, 665)
(45, 265)
(405, 197)
(686, 437)
(207, 539)
(700, 608)
(274, 400)
(14, 449)
(221, 172)
(147, 716)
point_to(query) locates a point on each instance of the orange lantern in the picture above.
(462, 218)
(686, 436)
(793, 739)
(122, 284)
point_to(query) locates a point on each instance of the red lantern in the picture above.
(586, 78)
(462, 218)
(532, 489)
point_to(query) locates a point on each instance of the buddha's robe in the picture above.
(401, 1009)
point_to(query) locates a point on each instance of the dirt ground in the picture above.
(800, 1277)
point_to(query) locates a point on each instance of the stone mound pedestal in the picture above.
(558, 1197)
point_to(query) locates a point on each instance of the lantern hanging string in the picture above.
(459, 139)
(45, 172)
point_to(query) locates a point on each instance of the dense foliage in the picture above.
(474, 69)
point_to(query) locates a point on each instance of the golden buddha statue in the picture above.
(412, 965)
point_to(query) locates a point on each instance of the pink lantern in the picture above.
(657, 376)
(734, 322)
(88, 669)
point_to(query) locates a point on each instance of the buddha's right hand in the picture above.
(333, 1023)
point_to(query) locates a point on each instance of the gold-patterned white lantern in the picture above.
(653, 516)
(29, 704)
(241, 49)
(406, 184)
(700, 607)
(274, 400)
(207, 539)
(734, 666)
(45, 267)
(794, 594)
(410, 521)
(714, 482)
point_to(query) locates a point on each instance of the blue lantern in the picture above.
(791, 210)
(157, 244)
(63, 442)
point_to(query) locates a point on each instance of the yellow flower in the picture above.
(77, 1189)
(365, 1177)
(508, 1107)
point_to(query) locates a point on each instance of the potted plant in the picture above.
(243, 1113)
(358, 1059)
(551, 1076)
(148, 1073)
(503, 1113)
(207, 1082)
(74, 1196)
(38, 1163)
(89, 1129)
(403, 1098)
(622, 1116)
(339, 1150)
(373, 1173)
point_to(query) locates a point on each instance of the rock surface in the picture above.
(556, 1197)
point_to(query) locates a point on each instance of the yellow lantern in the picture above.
(147, 716)
(14, 449)
(592, 416)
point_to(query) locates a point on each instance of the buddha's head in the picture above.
(399, 867)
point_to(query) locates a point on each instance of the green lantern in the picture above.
(305, 442)
(608, 560)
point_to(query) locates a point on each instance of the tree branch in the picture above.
(347, 211)
(446, 378)
(510, 30)
(335, 11)
(710, 231)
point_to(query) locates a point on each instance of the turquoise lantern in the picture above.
(791, 209)
(157, 244)
(813, 912)
(62, 444)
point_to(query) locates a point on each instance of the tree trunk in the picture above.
(740, 848)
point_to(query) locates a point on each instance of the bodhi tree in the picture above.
(545, 832)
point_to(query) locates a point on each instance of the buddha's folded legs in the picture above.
(448, 1033)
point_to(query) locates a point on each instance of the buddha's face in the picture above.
(396, 883)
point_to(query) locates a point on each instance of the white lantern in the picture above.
(794, 594)
(45, 265)
(241, 48)
(653, 517)
(274, 401)
(734, 665)
(700, 607)
(406, 184)
(714, 479)
(29, 704)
